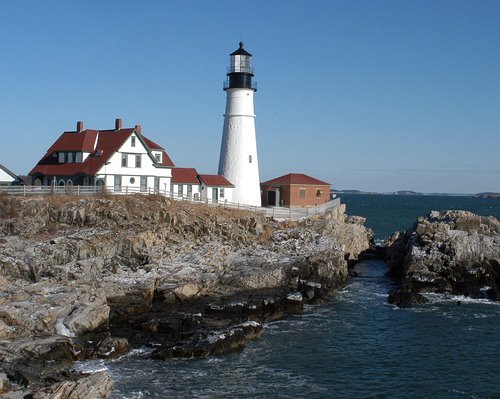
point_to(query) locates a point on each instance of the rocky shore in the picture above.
(94, 277)
(450, 253)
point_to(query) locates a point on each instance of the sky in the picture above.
(372, 95)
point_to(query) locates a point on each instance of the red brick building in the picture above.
(295, 190)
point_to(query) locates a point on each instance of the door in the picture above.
(271, 198)
(215, 194)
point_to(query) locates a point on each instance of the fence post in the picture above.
(290, 212)
(24, 191)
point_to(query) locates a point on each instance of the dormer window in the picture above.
(158, 157)
(70, 157)
(62, 157)
(132, 141)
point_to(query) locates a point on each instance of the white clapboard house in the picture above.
(121, 159)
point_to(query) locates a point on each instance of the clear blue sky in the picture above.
(372, 95)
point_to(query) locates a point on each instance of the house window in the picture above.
(221, 192)
(158, 157)
(132, 141)
(118, 184)
(124, 160)
(319, 193)
(132, 180)
(189, 190)
(249, 159)
(138, 161)
(302, 193)
(180, 190)
(62, 157)
(144, 183)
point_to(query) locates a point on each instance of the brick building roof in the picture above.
(295, 178)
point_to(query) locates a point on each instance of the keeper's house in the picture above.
(121, 159)
(295, 190)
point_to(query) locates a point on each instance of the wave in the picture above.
(459, 299)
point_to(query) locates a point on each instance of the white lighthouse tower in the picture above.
(238, 160)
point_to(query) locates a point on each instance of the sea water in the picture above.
(355, 346)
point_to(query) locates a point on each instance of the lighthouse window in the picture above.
(302, 193)
(249, 159)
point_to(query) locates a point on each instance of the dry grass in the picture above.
(8, 207)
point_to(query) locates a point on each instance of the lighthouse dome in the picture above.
(241, 61)
(241, 51)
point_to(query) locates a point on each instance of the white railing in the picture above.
(274, 212)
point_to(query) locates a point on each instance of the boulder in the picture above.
(95, 386)
(451, 252)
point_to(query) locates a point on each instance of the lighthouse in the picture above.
(238, 160)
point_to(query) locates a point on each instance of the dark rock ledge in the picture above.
(450, 253)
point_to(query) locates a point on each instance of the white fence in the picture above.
(275, 212)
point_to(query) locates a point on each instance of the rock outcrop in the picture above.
(452, 252)
(88, 277)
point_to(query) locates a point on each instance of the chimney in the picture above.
(118, 124)
(79, 126)
(138, 128)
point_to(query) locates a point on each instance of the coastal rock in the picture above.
(4, 383)
(96, 386)
(213, 343)
(451, 252)
(84, 277)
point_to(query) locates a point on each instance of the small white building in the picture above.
(185, 184)
(7, 178)
(122, 159)
(216, 188)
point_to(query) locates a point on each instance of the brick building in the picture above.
(295, 190)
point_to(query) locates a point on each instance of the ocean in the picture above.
(354, 346)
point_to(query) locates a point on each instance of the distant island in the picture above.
(488, 195)
(411, 192)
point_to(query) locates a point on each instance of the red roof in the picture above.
(296, 178)
(108, 142)
(165, 160)
(151, 144)
(215, 181)
(75, 141)
(184, 176)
